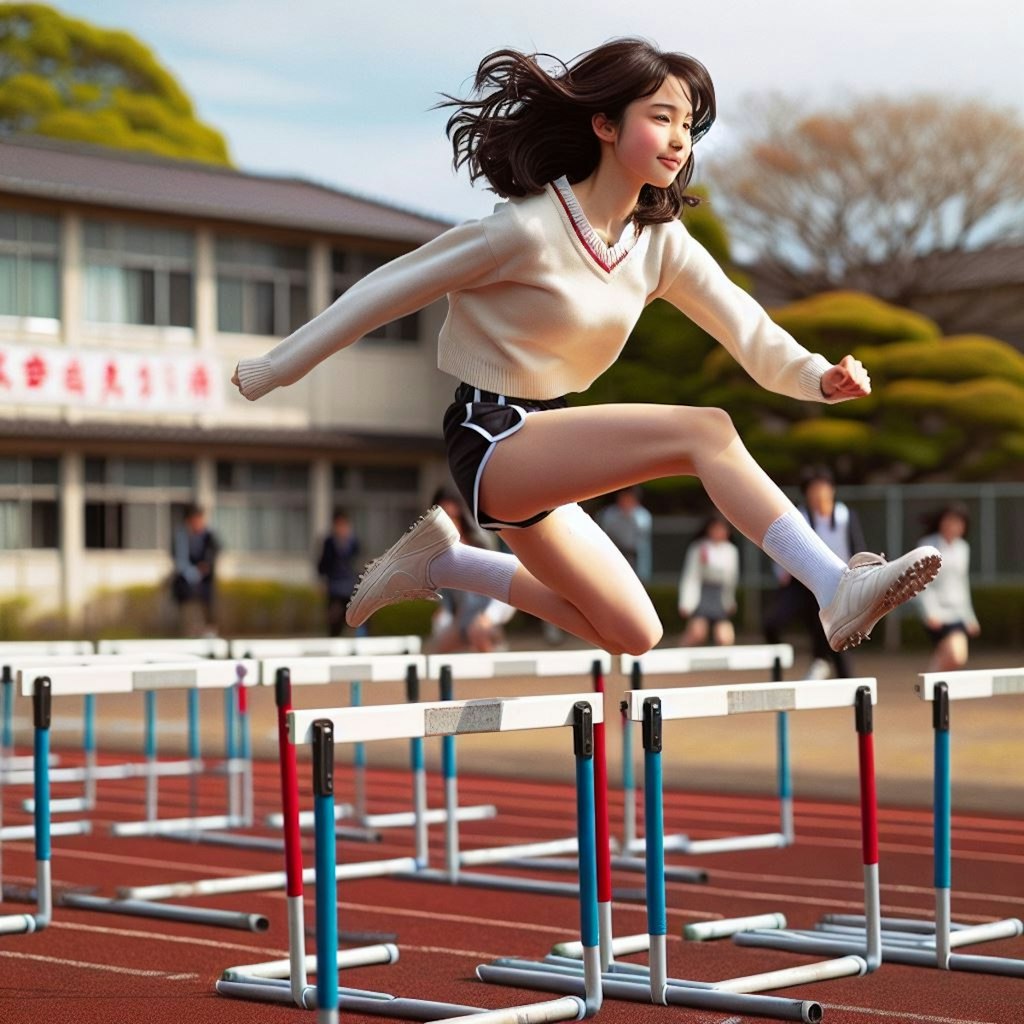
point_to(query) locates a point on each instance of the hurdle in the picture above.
(322, 729)
(285, 981)
(12, 924)
(738, 995)
(487, 667)
(237, 765)
(23, 650)
(124, 678)
(685, 661)
(924, 943)
(316, 671)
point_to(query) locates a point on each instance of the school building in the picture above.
(129, 288)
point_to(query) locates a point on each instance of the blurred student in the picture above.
(195, 550)
(838, 526)
(338, 568)
(466, 621)
(707, 586)
(629, 525)
(946, 608)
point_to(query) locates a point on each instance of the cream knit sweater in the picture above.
(539, 306)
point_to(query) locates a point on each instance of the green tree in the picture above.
(68, 79)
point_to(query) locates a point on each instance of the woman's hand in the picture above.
(847, 379)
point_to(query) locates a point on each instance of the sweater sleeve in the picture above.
(459, 258)
(702, 291)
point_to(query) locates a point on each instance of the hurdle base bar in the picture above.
(165, 826)
(166, 912)
(280, 970)
(512, 883)
(522, 851)
(534, 976)
(399, 867)
(697, 876)
(372, 1004)
(398, 819)
(796, 943)
(107, 772)
(15, 833)
(727, 844)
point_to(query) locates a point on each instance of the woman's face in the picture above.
(651, 143)
(718, 531)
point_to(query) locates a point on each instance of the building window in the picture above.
(138, 275)
(348, 266)
(28, 504)
(29, 265)
(262, 287)
(263, 506)
(382, 501)
(135, 504)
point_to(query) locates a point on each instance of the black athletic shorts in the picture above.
(473, 425)
(946, 629)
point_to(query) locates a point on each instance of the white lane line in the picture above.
(470, 953)
(180, 939)
(905, 1015)
(135, 972)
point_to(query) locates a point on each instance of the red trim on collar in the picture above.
(607, 268)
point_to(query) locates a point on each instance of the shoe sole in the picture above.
(910, 582)
(374, 569)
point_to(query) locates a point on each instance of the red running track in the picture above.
(89, 968)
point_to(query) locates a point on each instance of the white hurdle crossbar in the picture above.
(324, 728)
(931, 943)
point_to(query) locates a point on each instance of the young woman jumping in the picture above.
(593, 158)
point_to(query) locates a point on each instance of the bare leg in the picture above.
(568, 455)
(572, 575)
(696, 633)
(950, 653)
(725, 634)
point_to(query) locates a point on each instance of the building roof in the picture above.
(237, 439)
(97, 175)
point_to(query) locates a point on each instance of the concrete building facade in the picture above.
(129, 288)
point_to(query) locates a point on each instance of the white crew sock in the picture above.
(480, 570)
(792, 543)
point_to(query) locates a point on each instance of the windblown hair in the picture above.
(526, 126)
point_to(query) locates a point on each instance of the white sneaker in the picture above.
(870, 586)
(402, 572)
(819, 669)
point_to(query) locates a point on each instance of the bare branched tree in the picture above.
(875, 196)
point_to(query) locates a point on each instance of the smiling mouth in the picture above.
(671, 162)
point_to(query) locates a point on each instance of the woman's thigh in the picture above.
(567, 455)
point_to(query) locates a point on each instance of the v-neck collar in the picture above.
(607, 257)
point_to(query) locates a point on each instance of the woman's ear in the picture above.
(603, 128)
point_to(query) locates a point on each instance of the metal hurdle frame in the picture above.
(323, 728)
(91, 772)
(23, 651)
(922, 943)
(286, 981)
(123, 678)
(686, 661)
(316, 671)
(237, 743)
(637, 983)
(540, 856)
(14, 924)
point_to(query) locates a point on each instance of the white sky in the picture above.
(340, 91)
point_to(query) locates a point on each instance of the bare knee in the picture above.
(716, 428)
(631, 634)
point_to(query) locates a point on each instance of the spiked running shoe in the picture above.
(402, 572)
(870, 587)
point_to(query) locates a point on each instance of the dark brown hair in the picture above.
(527, 126)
